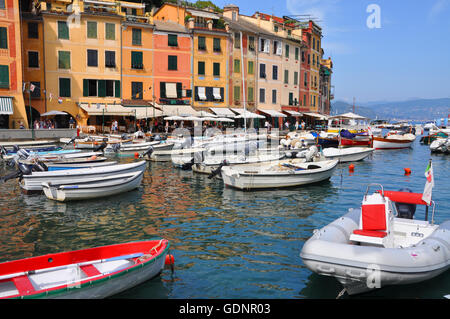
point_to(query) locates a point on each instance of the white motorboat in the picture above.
(211, 163)
(60, 166)
(380, 244)
(440, 145)
(394, 141)
(32, 181)
(138, 147)
(89, 188)
(349, 154)
(283, 173)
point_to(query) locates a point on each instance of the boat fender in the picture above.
(407, 171)
(351, 168)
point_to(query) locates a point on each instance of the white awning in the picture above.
(132, 5)
(171, 90)
(222, 111)
(50, 113)
(201, 93)
(103, 3)
(317, 115)
(109, 109)
(216, 93)
(6, 106)
(203, 14)
(349, 115)
(293, 113)
(272, 113)
(180, 110)
(247, 114)
(146, 112)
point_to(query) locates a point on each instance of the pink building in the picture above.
(172, 66)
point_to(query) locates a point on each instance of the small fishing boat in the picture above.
(169, 155)
(89, 188)
(91, 273)
(283, 173)
(394, 141)
(60, 166)
(440, 145)
(138, 147)
(211, 163)
(380, 244)
(350, 154)
(26, 143)
(32, 181)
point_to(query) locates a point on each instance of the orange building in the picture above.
(12, 107)
(33, 63)
(172, 72)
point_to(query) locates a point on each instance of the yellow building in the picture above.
(209, 53)
(12, 107)
(315, 58)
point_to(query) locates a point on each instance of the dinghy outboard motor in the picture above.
(124, 136)
(218, 170)
(405, 210)
(188, 165)
(100, 148)
(147, 152)
(24, 169)
(115, 147)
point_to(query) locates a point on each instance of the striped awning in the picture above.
(6, 105)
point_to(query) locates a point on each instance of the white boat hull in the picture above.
(93, 190)
(352, 154)
(33, 182)
(257, 179)
(385, 143)
(362, 268)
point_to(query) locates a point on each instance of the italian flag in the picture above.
(426, 196)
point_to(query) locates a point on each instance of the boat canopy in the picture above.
(405, 197)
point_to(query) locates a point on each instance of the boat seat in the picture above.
(90, 270)
(376, 222)
(23, 284)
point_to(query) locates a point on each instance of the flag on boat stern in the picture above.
(426, 196)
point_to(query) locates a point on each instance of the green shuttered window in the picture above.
(136, 60)
(92, 30)
(201, 68)
(216, 45)
(63, 30)
(250, 67)
(64, 60)
(172, 62)
(4, 76)
(110, 30)
(172, 40)
(237, 66)
(64, 87)
(216, 69)
(137, 36)
(3, 38)
(201, 43)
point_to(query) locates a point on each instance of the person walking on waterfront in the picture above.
(71, 123)
(303, 125)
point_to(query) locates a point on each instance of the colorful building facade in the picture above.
(12, 107)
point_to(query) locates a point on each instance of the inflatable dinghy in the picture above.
(380, 244)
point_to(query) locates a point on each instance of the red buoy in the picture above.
(407, 171)
(170, 260)
(351, 167)
(136, 155)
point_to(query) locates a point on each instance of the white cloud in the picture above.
(438, 7)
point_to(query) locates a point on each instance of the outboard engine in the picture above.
(147, 152)
(312, 151)
(405, 210)
(23, 154)
(124, 136)
(39, 167)
(101, 147)
(157, 138)
(188, 165)
(218, 170)
(198, 157)
(115, 147)
(24, 169)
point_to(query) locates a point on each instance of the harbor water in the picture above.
(227, 243)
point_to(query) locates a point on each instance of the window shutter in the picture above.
(250, 67)
(4, 76)
(3, 38)
(92, 30)
(162, 90)
(201, 43)
(201, 68)
(136, 37)
(64, 59)
(221, 94)
(237, 66)
(64, 87)
(85, 87)
(266, 46)
(250, 94)
(63, 30)
(110, 29)
(172, 40)
(101, 88)
(216, 69)
(117, 88)
(216, 44)
(179, 90)
(172, 62)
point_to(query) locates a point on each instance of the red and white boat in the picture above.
(393, 141)
(97, 272)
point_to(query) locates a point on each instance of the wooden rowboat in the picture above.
(97, 272)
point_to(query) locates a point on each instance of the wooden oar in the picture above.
(38, 271)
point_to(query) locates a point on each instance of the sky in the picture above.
(382, 50)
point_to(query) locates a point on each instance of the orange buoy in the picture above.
(407, 171)
(136, 155)
(95, 143)
(351, 167)
(93, 157)
(170, 260)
